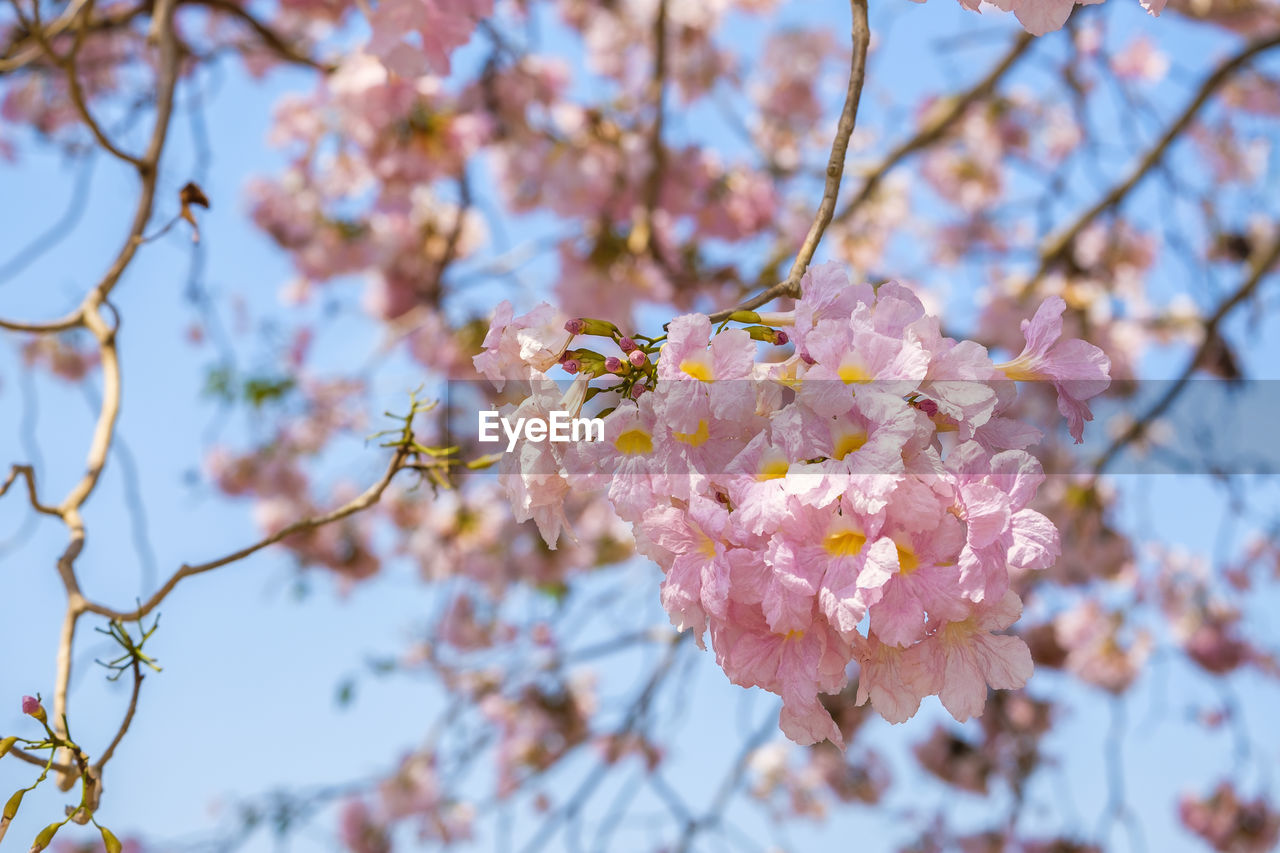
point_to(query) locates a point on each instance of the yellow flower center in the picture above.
(844, 543)
(1020, 370)
(634, 441)
(848, 442)
(772, 467)
(698, 366)
(908, 562)
(851, 370)
(696, 438)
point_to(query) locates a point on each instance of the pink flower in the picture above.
(818, 559)
(1078, 370)
(891, 679)
(797, 666)
(696, 564)
(849, 354)
(522, 347)
(926, 580)
(532, 474)
(442, 25)
(1001, 530)
(826, 293)
(359, 832)
(30, 705)
(964, 657)
(696, 367)
(1229, 823)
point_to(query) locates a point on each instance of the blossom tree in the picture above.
(891, 319)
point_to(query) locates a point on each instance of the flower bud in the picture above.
(45, 837)
(571, 365)
(11, 807)
(637, 390)
(588, 326)
(769, 336)
(929, 407)
(110, 842)
(745, 317)
(613, 364)
(637, 358)
(627, 345)
(31, 707)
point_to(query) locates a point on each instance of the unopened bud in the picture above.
(627, 345)
(571, 365)
(769, 336)
(783, 338)
(613, 364)
(745, 317)
(109, 841)
(11, 807)
(637, 390)
(31, 707)
(929, 407)
(588, 326)
(45, 837)
(637, 358)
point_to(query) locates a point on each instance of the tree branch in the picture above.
(1263, 263)
(28, 473)
(937, 127)
(835, 171)
(126, 722)
(365, 500)
(1057, 246)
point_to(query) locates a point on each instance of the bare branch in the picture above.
(1057, 246)
(270, 37)
(126, 722)
(952, 111)
(71, 321)
(28, 473)
(1263, 263)
(365, 500)
(835, 171)
(67, 64)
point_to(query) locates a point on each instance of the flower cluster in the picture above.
(1042, 16)
(863, 499)
(1227, 822)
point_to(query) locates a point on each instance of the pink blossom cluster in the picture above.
(614, 35)
(863, 500)
(434, 29)
(1042, 16)
(273, 474)
(1229, 823)
(538, 727)
(825, 777)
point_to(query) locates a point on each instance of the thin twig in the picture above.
(953, 109)
(835, 171)
(365, 500)
(1057, 246)
(1262, 264)
(269, 37)
(28, 473)
(128, 718)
